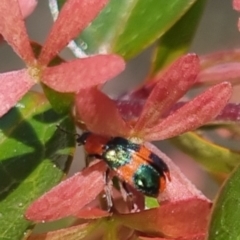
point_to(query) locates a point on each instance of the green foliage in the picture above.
(128, 27)
(151, 202)
(225, 224)
(177, 40)
(34, 157)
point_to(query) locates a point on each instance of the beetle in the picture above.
(133, 163)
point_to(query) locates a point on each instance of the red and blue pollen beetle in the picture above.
(133, 163)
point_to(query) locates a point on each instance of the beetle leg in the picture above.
(129, 196)
(108, 191)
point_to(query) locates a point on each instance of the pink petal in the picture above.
(217, 58)
(73, 18)
(238, 24)
(130, 109)
(219, 73)
(13, 87)
(192, 115)
(13, 29)
(236, 5)
(83, 73)
(230, 113)
(92, 213)
(100, 113)
(180, 188)
(71, 233)
(27, 7)
(184, 218)
(170, 87)
(70, 196)
(201, 236)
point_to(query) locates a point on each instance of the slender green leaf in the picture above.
(177, 40)
(127, 27)
(225, 224)
(214, 158)
(34, 157)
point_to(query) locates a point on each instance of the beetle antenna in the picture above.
(80, 138)
(65, 131)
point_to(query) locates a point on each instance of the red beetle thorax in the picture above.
(95, 143)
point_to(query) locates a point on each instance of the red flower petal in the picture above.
(70, 196)
(180, 188)
(173, 220)
(13, 29)
(220, 73)
(193, 114)
(171, 87)
(236, 5)
(92, 213)
(81, 231)
(73, 18)
(130, 109)
(201, 236)
(83, 73)
(27, 6)
(100, 113)
(13, 86)
(220, 57)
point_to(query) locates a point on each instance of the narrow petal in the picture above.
(219, 73)
(81, 231)
(184, 218)
(200, 236)
(13, 29)
(220, 57)
(92, 213)
(236, 5)
(230, 113)
(100, 113)
(170, 87)
(83, 73)
(13, 87)
(70, 196)
(73, 18)
(130, 109)
(180, 188)
(193, 114)
(27, 7)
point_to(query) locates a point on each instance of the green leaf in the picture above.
(34, 156)
(128, 27)
(61, 102)
(151, 202)
(214, 158)
(177, 40)
(225, 224)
